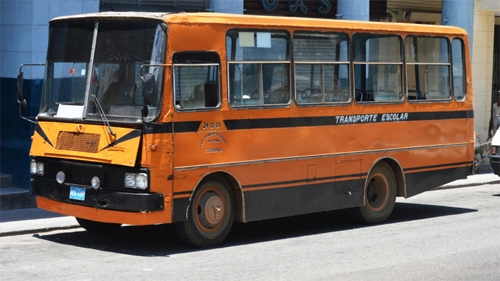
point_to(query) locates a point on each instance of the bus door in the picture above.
(196, 94)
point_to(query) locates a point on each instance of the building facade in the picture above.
(24, 33)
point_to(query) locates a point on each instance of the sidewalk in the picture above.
(473, 180)
(34, 220)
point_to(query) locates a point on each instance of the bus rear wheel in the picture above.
(97, 227)
(210, 214)
(380, 195)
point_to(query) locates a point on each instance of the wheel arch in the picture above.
(235, 189)
(398, 173)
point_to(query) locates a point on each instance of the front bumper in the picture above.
(495, 163)
(102, 199)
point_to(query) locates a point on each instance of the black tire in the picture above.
(98, 227)
(380, 195)
(210, 214)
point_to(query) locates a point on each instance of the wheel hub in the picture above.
(213, 210)
(377, 193)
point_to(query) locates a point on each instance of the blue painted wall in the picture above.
(23, 39)
(15, 138)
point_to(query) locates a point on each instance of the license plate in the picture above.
(77, 193)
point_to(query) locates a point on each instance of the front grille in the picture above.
(80, 173)
(74, 141)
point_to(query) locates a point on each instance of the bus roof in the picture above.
(255, 21)
(113, 15)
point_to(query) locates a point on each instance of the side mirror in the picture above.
(148, 88)
(148, 92)
(23, 104)
(20, 99)
(20, 82)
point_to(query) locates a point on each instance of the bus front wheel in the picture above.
(380, 195)
(210, 214)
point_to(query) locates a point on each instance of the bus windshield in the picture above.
(94, 65)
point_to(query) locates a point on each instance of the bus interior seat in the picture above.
(359, 96)
(199, 95)
(369, 95)
(384, 95)
(311, 95)
(204, 95)
(363, 95)
(278, 95)
(316, 96)
(211, 95)
(120, 93)
(415, 95)
(341, 95)
(435, 95)
(196, 98)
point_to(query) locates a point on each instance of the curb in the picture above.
(465, 185)
(33, 231)
(475, 180)
(37, 225)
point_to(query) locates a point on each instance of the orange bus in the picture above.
(202, 119)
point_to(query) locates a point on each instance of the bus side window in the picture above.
(427, 68)
(258, 68)
(378, 68)
(321, 67)
(458, 69)
(196, 80)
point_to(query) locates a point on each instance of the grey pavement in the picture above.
(34, 220)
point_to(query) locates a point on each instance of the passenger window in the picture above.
(321, 68)
(377, 68)
(427, 68)
(258, 67)
(196, 80)
(458, 69)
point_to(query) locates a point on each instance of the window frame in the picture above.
(464, 70)
(260, 63)
(321, 63)
(355, 62)
(425, 63)
(214, 60)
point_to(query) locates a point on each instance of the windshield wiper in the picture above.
(103, 115)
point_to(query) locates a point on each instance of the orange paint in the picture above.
(271, 157)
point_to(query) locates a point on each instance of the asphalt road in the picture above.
(451, 234)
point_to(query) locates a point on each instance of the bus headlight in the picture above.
(33, 167)
(60, 177)
(95, 182)
(136, 180)
(36, 168)
(129, 180)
